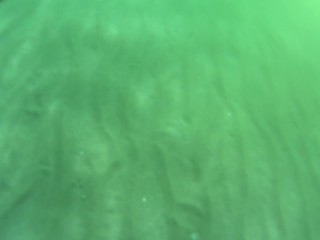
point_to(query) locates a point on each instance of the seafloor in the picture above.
(159, 120)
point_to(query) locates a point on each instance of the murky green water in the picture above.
(159, 120)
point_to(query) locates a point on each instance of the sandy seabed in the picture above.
(159, 120)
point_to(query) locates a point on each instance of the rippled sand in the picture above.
(159, 120)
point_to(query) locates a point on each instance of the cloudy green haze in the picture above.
(159, 120)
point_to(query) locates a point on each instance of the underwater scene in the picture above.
(159, 120)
